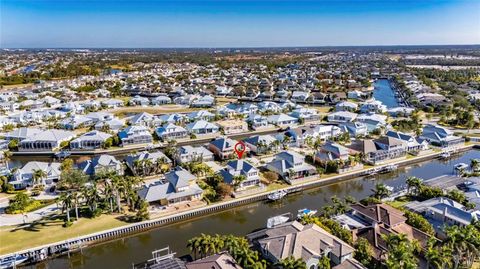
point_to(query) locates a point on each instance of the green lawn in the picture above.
(51, 230)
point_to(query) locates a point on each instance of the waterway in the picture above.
(122, 253)
(384, 92)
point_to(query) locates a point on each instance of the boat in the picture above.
(277, 220)
(461, 166)
(12, 261)
(445, 155)
(63, 154)
(306, 212)
(277, 195)
(389, 168)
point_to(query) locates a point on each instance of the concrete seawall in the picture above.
(41, 252)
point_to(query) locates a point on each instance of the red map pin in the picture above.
(239, 149)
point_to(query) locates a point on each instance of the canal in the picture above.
(122, 253)
(383, 91)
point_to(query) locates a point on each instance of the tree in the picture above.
(381, 191)
(413, 183)
(291, 263)
(38, 175)
(363, 252)
(324, 262)
(66, 200)
(400, 252)
(18, 203)
(142, 212)
(66, 165)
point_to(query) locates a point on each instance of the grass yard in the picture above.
(165, 109)
(13, 238)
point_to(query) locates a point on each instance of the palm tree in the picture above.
(291, 263)
(413, 183)
(66, 200)
(286, 140)
(38, 175)
(400, 252)
(475, 164)
(381, 191)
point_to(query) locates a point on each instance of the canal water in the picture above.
(122, 253)
(383, 91)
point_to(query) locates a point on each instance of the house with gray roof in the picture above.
(202, 127)
(171, 131)
(290, 166)
(307, 242)
(414, 144)
(179, 186)
(262, 144)
(186, 154)
(22, 133)
(23, 177)
(90, 140)
(47, 140)
(148, 162)
(223, 147)
(440, 136)
(441, 212)
(135, 135)
(236, 168)
(282, 120)
(377, 151)
(201, 115)
(101, 164)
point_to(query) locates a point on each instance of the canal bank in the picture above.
(249, 203)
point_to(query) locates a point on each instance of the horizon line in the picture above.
(248, 47)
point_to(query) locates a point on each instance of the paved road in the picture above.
(18, 219)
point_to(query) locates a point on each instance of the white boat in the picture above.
(305, 212)
(389, 168)
(63, 154)
(461, 166)
(12, 261)
(277, 220)
(445, 155)
(277, 195)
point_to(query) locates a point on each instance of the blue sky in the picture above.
(230, 23)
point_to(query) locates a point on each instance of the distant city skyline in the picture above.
(231, 23)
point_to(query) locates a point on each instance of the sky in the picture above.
(236, 23)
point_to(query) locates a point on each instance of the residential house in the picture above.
(306, 114)
(373, 106)
(204, 101)
(258, 122)
(282, 120)
(373, 121)
(442, 212)
(47, 140)
(372, 221)
(290, 166)
(307, 242)
(201, 115)
(223, 148)
(346, 106)
(376, 151)
(139, 101)
(233, 126)
(186, 154)
(202, 127)
(171, 131)
(179, 186)
(22, 133)
(76, 121)
(90, 140)
(102, 164)
(262, 144)
(238, 168)
(161, 100)
(135, 135)
(149, 161)
(341, 116)
(24, 177)
(440, 136)
(414, 144)
(221, 260)
(355, 129)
